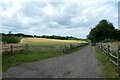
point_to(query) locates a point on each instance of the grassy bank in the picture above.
(109, 70)
(38, 50)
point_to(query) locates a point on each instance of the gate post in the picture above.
(11, 49)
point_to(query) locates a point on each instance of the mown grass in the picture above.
(38, 50)
(109, 70)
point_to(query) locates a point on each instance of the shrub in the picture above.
(10, 39)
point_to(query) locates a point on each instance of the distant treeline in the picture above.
(15, 38)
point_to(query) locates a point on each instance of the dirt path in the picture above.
(80, 64)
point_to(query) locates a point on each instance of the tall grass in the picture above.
(113, 47)
(109, 70)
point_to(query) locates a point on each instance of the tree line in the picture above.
(15, 38)
(104, 31)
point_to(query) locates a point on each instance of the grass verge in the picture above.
(28, 56)
(109, 70)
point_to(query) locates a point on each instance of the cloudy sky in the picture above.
(65, 18)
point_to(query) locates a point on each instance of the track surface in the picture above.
(80, 64)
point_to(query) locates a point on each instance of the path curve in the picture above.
(80, 64)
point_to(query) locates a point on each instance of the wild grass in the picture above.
(109, 70)
(113, 46)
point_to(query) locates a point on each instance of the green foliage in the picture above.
(118, 36)
(0, 37)
(10, 39)
(59, 37)
(44, 36)
(102, 31)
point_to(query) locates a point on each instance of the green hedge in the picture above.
(10, 39)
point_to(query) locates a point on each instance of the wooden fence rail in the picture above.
(73, 46)
(10, 49)
(107, 50)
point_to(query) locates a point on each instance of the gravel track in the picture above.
(79, 64)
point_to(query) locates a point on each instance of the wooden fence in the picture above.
(73, 46)
(115, 59)
(12, 48)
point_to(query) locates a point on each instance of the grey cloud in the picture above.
(57, 4)
(33, 8)
(5, 6)
(11, 22)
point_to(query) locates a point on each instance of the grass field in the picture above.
(44, 41)
(40, 48)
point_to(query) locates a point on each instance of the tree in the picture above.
(118, 35)
(10, 32)
(102, 31)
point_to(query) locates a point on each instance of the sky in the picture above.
(56, 17)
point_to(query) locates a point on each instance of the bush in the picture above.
(10, 39)
(93, 44)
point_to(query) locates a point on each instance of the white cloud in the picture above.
(73, 18)
(49, 10)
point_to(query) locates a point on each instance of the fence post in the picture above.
(104, 49)
(101, 46)
(26, 46)
(70, 46)
(98, 46)
(118, 59)
(108, 51)
(64, 49)
(11, 49)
